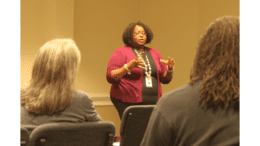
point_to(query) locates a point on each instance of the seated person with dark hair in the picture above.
(204, 112)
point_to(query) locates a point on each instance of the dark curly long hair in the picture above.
(217, 63)
(128, 33)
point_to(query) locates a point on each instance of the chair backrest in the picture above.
(29, 128)
(24, 136)
(133, 124)
(74, 134)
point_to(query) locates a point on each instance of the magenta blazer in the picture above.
(129, 87)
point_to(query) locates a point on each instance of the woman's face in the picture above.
(139, 36)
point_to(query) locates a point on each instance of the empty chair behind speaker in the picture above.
(133, 124)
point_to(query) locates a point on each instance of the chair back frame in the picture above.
(88, 133)
(134, 120)
(24, 133)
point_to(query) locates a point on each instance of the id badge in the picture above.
(148, 82)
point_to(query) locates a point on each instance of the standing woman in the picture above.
(50, 96)
(136, 71)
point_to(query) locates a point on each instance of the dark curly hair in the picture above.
(217, 63)
(128, 33)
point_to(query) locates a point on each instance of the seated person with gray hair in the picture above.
(50, 97)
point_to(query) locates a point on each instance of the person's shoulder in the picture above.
(181, 95)
(174, 93)
(123, 48)
(23, 109)
(151, 49)
(81, 96)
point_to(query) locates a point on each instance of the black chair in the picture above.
(24, 136)
(73, 134)
(29, 128)
(133, 124)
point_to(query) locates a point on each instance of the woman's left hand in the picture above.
(170, 62)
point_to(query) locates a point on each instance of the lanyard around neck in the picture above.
(147, 66)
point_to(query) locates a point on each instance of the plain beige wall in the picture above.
(41, 21)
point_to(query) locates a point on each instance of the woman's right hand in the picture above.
(135, 63)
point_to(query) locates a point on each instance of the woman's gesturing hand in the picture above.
(135, 63)
(170, 62)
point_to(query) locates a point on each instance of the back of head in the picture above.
(50, 89)
(217, 63)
